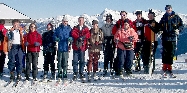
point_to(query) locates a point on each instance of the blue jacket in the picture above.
(169, 23)
(61, 35)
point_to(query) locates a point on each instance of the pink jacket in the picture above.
(122, 36)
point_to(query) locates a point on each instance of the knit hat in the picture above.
(151, 12)
(168, 6)
(50, 25)
(138, 12)
(94, 22)
(126, 21)
(65, 19)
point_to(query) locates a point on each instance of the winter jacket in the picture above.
(9, 41)
(169, 23)
(107, 29)
(95, 41)
(122, 36)
(3, 42)
(139, 28)
(32, 38)
(48, 42)
(62, 33)
(120, 24)
(151, 25)
(84, 34)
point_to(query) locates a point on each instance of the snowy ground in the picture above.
(137, 83)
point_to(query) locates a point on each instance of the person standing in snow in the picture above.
(108, 44)
(80, 34)
(119, 24)
(139, 28)
(171, 25)
(62, 35)
(124, 39)
(49, 51)
(33, 41)
(3, 46)
(94, 47)
(16, 48)
(153, 26)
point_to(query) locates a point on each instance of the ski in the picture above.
(172, 75)
(16, 83)
(9, 82)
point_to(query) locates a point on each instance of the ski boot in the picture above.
(82, 77)
(12, 76)
(75, 76)
(95, 77)
(89, 77)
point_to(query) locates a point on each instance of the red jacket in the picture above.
(3, 45)
(31, 38)
(120, 24)
(76, 34)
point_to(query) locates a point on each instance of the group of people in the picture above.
(127, 38)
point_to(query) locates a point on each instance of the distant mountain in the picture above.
(182, 43)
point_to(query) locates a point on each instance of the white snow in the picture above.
(138, 83)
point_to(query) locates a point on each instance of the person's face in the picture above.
(49, 27)
(16, 25)
(81, 21)
(168, 9)
(95, 26)
(108, 20)
(65, 23)
(150, 16)
(33, 28)
(139, 16)
(123, 15)
(126, 25)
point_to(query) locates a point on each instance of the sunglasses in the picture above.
(33, 27)
(123, 15)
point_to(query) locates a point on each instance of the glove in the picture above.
(26, 43)
(36, 44)
(70, 39)
(57, 39)
(177, 31)
(81, 38)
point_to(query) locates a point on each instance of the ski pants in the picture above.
(93, 60)
(23, 60)
(15, 51)
(32, 57)
(125, 59)
(2, 60)
(49, 59)
(78, 58)
(62, 61)
(109, 49)
(146, 52)
(168, 51)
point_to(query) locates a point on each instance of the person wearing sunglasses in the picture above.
(171, 25)
(33, 41)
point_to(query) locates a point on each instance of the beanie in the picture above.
(94, 22)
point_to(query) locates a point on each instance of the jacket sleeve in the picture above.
(74, 33)
(135, 35)
(114, 29)
(39, 39)
(5, 43)
(87, 35)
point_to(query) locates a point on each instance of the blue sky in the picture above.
(52, 8)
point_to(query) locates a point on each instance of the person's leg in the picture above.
(34, 64)
(28, 64)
